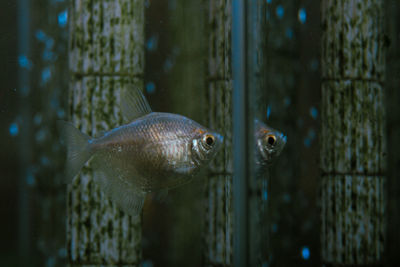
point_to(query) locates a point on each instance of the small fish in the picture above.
(269, 143)
(153, 153)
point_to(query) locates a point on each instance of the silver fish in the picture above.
(153, 153)
(269, 143)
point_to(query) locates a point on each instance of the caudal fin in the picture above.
(78, 148)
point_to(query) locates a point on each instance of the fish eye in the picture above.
(271, 139)
(209, 139)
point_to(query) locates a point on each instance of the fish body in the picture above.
(269, 143)
(157, 151)
(153, 152)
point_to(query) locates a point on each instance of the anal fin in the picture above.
(114, 183)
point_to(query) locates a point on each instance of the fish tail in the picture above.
(78, 148)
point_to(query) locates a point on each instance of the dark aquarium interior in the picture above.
(304, 93)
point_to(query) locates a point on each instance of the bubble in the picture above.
(280, 11)
(286, 198)
(62, 18)
(152, 43)
(60, 113)
(30, 178)
(150, 87)
(265, 195)
(313, 112)
(24, 62)
(287, 101)
(147, 263)
(13, 129)
(311, 134)
(41, 135)
(307, 142)
(37, 119)
(62, 252)
(289, 33)
(46, 75)
(44, 161)
(302, 15)
(168, 65)
(305, 253)
(40, 35)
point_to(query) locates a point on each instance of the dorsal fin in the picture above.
(133, 104)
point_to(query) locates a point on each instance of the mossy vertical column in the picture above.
(353, 136)
(218, 222)
(106, 54)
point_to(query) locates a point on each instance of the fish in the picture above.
(153, 152)
(269, 143)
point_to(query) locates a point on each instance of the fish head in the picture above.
(205, 145)
(269, 142)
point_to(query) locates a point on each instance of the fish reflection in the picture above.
(269, 143)
(153, 153)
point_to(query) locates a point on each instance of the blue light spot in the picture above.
(40, 35)
(60, 113)
(314, 112)
(13, 129)
(152, 43)
(265, 195)
(48, 55)
(274, 228)
(62, 252)
(286, 198)
(287, 101)
(289, 33)
(45, 161)
(307, 142)
(24, 62)
(50, 262)
(314, 64)
(269, 1)
(46, 75)
(168, 65)
(311, 134)
(172, 4)
(305, 253)
(49, 43)
(280, 11)
(30, 179)
(40, 136)
(302, 15)
(62, 18)
(268, 112)
(37, 119)
(54, 103)
(150, 87)
(147, 263)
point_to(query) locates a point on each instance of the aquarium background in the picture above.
(34, 94)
